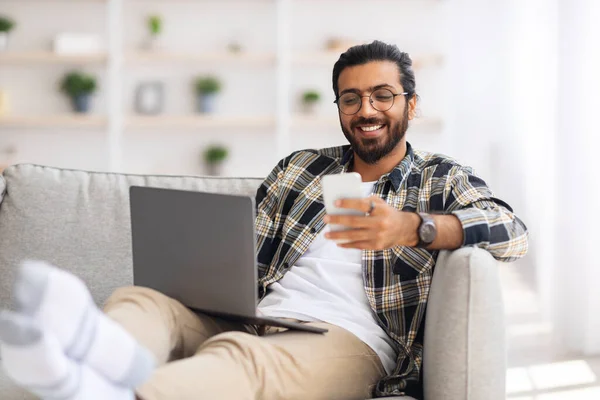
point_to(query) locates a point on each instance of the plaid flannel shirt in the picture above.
(290, 213)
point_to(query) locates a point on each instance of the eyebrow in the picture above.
(371, 89)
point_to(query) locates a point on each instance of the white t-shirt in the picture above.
(326, 284)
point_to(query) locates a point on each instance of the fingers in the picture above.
(351, 221)
(352, 234)
(363, 205)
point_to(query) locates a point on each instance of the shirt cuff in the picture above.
(476, 229)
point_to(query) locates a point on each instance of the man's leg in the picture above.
(163, 325)
(62, 306)
(33, 359)
(288, 365)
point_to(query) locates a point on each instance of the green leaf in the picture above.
(6, 24)
(214, 154)
(77, 83)
(207, 85)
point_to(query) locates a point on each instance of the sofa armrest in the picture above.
(2, 188)
(465, 347)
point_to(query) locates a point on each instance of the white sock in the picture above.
(62, 304)
(34, 360)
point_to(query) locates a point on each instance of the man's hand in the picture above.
(385, 227)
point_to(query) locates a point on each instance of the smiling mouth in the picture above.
(370, 130)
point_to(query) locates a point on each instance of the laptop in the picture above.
(200, 248)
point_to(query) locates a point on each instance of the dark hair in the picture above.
(377, 51)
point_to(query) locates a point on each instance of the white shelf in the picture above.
(328, 58)
(199, 121)
(48, 57)
(53, 121)
(156, 57)
(317, 58)
(317, 121)
(55, 1)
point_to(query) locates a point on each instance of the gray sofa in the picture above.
(80, 221)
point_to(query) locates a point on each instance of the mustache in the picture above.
(367, 121)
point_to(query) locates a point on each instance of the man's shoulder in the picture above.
(306, 157)
(425, 161)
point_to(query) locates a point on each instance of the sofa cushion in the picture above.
(80, 221)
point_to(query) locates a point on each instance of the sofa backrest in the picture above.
(80, 221)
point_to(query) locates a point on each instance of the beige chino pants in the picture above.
(201, 357)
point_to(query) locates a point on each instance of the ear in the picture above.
(412, 107)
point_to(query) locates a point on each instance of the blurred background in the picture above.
(197, 87)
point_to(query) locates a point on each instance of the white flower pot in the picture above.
(153, 43)
(215, 169)
(3, 40)
(310, 108)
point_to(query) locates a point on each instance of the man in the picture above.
(370, 292)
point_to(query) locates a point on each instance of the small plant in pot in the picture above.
(214, 158)
(6, 25)
(207, 89)
(310, 100)
(79, 87)
(155, 28)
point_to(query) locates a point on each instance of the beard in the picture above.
(373, 150)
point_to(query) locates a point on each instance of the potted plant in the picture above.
(310, 99)
(234, 47)
(79, 87)
(6, 25)
(214, 157)
(207, 88)
(155, 28)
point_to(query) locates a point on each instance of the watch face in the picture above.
(428, 232)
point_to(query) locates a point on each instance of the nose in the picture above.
(366, 109)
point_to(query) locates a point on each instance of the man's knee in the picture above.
(136, 295)
(239, 345)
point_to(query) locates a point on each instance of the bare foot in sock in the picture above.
(61, 303)
(34, 360)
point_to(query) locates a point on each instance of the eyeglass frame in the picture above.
(336, 101)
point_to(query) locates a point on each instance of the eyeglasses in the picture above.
(380, 99)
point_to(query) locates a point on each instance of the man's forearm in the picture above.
(449, 232)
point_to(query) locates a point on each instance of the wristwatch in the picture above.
(427, 230)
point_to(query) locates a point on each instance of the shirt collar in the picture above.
(397, 175)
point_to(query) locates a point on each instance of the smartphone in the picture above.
(341, 186)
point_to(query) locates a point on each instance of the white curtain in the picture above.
(577, 269)
(526, 81)
(555, 87)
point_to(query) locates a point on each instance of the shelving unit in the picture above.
(328, 58)
(47, 57)
(54, 121)
(121, 61)
(198, 122)
(165, 57)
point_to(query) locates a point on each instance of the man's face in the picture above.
(368, 144)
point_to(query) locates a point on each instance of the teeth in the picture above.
(370, 128)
